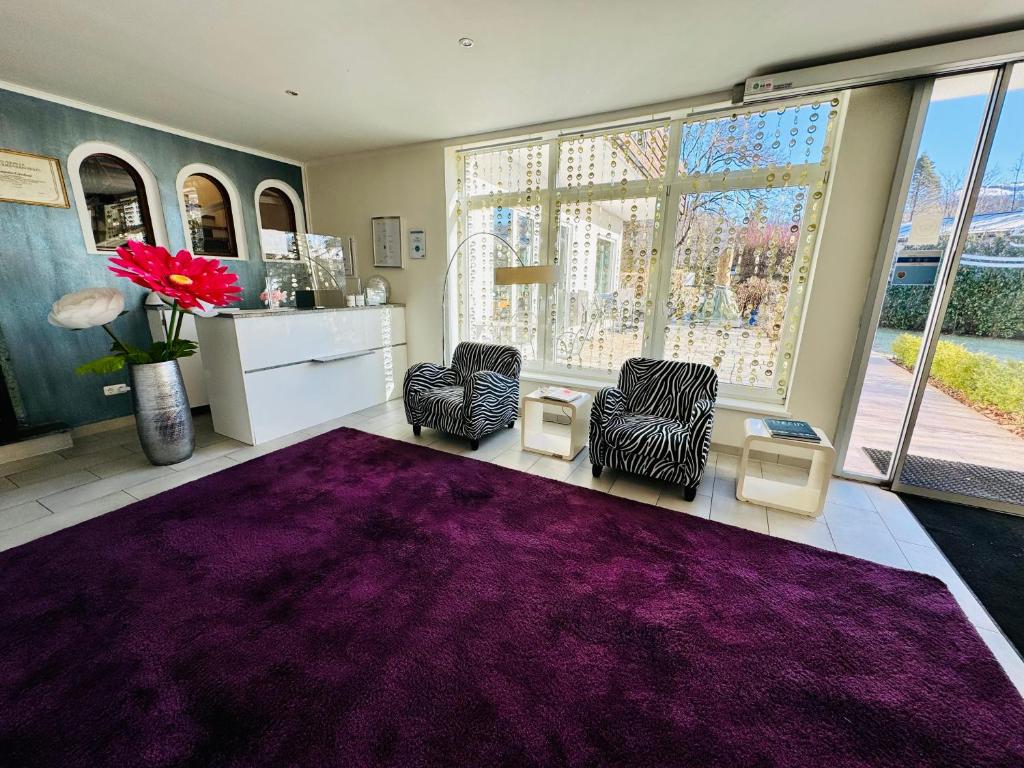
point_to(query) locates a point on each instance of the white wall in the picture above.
(400, 182)
(346, 192)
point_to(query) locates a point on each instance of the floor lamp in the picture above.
(521, 275)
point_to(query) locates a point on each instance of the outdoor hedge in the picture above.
(982, 380)
(985, 302)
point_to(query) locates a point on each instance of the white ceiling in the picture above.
(373, 73)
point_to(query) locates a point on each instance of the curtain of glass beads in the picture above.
(752, 189)
(748, 190)
(608, 210)
(500, 193)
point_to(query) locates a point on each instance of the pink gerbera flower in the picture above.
(188, 279)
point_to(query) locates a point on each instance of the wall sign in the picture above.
(31, 179)
(387, 241)
(417, 244)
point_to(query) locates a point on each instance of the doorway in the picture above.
(939, 409)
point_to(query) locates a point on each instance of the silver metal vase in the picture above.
(162, 414)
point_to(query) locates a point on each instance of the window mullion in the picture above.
(661, 290)
(550, 241)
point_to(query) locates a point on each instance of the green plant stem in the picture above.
(172, 330)
(177, 327)
(117, 341)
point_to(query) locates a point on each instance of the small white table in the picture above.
(808, 499)
(562, 440)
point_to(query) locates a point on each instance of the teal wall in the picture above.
(43, 256)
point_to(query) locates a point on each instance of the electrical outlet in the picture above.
(115, 389)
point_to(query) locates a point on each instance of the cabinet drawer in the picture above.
(286, 399)
(297, 337)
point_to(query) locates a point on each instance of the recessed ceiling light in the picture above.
(466, 42)
(292, 93)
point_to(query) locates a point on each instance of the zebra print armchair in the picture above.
(477, 395)
(657, 422)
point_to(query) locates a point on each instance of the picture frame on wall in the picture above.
(32, 179)
(387, 241)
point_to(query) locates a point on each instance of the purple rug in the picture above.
(357, 601)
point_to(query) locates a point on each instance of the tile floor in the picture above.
(105, 471)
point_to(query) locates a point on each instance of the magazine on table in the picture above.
(561, 394)
(792, 429)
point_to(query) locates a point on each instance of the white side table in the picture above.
(562, 440)
(807, 499)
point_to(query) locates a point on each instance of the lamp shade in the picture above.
(525, 275)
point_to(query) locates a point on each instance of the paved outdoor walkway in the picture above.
(946, 428)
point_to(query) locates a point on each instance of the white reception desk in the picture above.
(272, 372)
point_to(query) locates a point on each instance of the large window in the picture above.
(689, 239)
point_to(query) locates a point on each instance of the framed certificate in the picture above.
(31, 179)
(387, 241)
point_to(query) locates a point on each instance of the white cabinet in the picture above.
(271, 373)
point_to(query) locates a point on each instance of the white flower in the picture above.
(87, 308)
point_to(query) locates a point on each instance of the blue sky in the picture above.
(951, 130)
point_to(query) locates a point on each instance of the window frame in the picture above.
(234, 208)
(671, 187)
(150, 196)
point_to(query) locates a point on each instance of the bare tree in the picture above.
(952, 190)
(707, 148)
(1016, 173)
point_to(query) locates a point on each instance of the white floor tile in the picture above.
(848, 493)
(839, 514)
(67, 466)
(425, 437)
(724, 486)
(753, 468)
(247, 452)
(699, 507)
(345, 421)
(206, 453)
(32, 462)
(806, 530)
(12, 517)
(515, 458)
(583, 476)
(173, 480)
(903, 524)
(636, 488)
(868, 541)
(66, 500)
(35, 491)
(707, 481)
(729, 509)
(783, 473)
(117, 466)
(726, 466)
(552, 468)
(52, 523)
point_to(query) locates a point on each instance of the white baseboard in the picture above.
(35, 446)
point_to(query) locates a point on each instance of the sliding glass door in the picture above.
(968, 435)
(941, 407)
